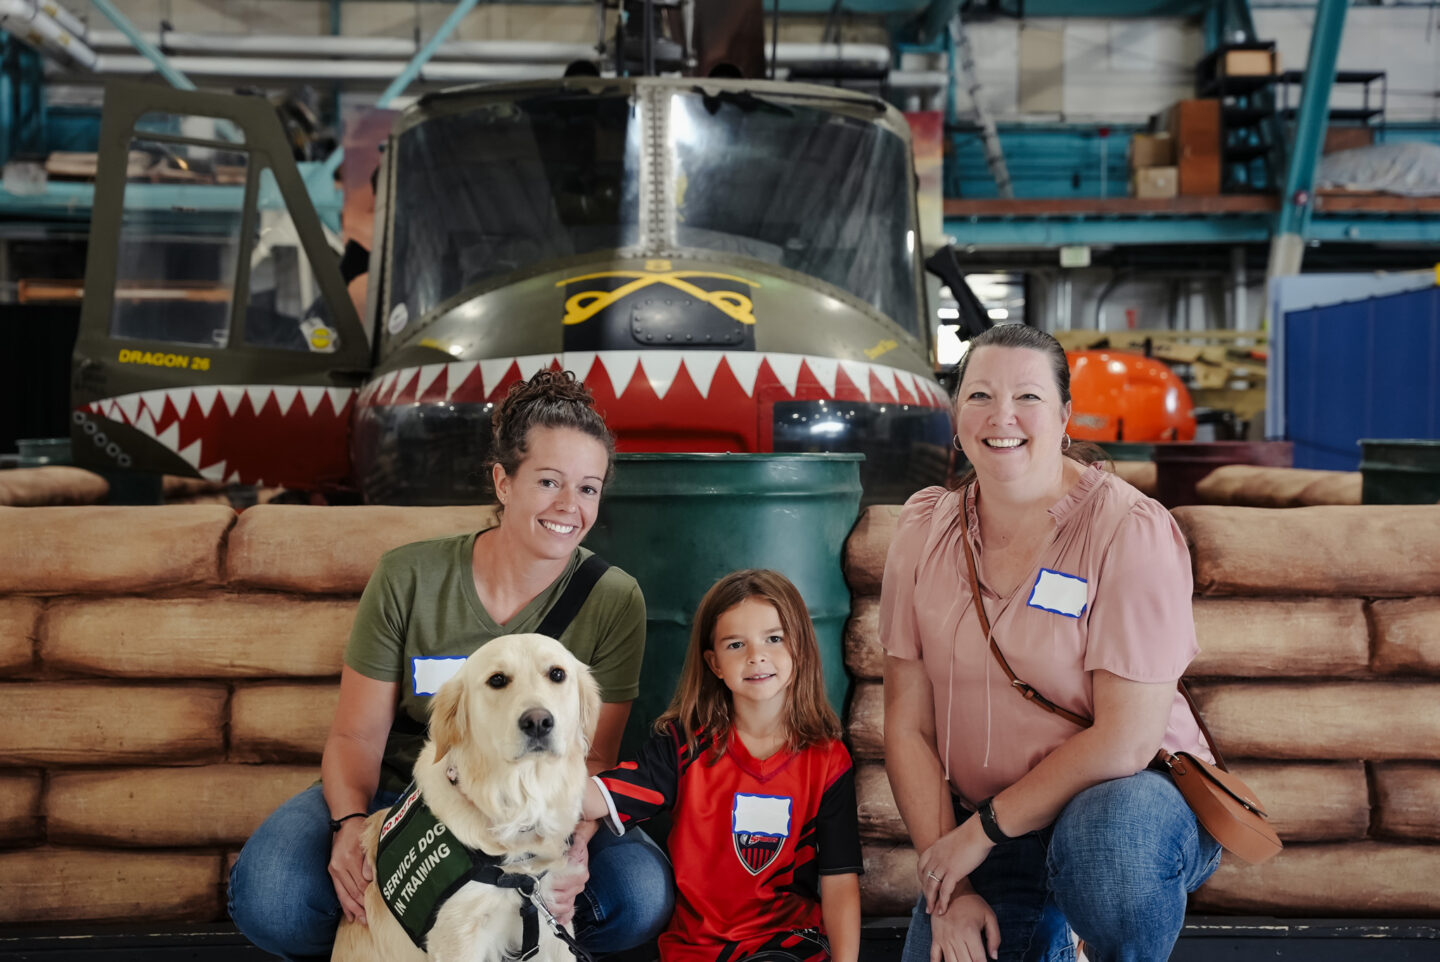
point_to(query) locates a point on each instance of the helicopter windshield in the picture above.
(817, 192)
(509, 185)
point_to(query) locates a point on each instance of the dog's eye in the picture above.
(557, 675)
(497, 680)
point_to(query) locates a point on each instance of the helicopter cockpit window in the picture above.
(503, 187)
(178, 247)
(286, 308)
(816, 192)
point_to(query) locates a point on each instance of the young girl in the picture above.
(765, 842)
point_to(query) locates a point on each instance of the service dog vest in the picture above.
(419, 865)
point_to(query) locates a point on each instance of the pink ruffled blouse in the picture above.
(1110, 591)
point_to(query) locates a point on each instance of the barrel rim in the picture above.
(836, 457)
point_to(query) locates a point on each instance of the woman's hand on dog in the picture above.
(350, 872)
(566, 886)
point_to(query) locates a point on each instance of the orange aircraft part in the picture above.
(1118, 396)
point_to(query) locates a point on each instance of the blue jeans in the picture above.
(282, 898)
(1116, 867)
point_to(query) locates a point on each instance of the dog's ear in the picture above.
(589, 705)
(448, 719)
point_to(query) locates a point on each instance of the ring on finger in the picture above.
(933, 875)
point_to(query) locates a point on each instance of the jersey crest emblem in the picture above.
(759, 824)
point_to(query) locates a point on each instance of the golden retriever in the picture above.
(504, 771)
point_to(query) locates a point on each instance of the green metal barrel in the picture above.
(678, 522)
(1399, 471)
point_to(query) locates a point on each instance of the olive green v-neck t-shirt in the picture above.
(420, 617)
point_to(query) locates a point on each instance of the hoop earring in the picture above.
(955, 443)
(1065, 441)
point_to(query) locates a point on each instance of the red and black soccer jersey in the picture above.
(750, 839)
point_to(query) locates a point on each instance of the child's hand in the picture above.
(566, 884)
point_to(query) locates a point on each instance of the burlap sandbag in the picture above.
(20, 807)
(889, 885)
(1141, 474)
(110, 550)
(1371, 550)
(51, 486)
(1353, 879)
(866, 547)
(879, 816)
(215, 636)
(1370, 720)
(863, 654)
(281, 722)
(1278, 637)
(1311, 801)
(55, 884)
(1407, 635)
(1254, 486)
(1407, 800)
(1337, 487)
(866, 724)
(85, 723)
(332, 550)
(18, 620)
(168, 807)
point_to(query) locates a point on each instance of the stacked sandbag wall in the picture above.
(1255, 486)
(1319, 676)
(167, 677)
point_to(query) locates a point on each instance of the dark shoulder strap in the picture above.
(1040, 700)
(568, 605)
(1030, 693)
(556, 620)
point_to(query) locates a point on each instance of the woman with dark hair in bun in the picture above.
(428, 605)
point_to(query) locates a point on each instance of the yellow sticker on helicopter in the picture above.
(580, 307)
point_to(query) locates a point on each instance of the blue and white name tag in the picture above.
(430, 673)
(1059, 593)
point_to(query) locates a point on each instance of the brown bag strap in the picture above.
(1034, 696)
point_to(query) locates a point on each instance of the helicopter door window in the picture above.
(192, 126)
(286, 309)
(179, 241)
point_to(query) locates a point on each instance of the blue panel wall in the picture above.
(1369, 369)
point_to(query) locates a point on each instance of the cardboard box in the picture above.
(1249, 63)
(1194, 125)
(1151, 150)
(1339, 138)
(1155, 182)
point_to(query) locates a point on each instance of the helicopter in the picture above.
(729, 264)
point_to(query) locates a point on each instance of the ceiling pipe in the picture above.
(26, 21)
(68, 20)
(378, 71)
(382, 71)
(492, 51)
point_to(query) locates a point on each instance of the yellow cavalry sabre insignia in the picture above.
(579, 308)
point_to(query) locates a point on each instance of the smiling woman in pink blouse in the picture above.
(1086, 585)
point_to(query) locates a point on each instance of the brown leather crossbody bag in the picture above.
(1222, 803)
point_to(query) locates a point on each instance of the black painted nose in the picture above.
(536, 723)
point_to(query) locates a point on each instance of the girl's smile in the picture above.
(749, 654)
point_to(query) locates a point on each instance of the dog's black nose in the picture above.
(536, 723)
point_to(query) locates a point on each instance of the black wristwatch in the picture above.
(986, 812)
(335, 823)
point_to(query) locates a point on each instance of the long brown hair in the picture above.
(701, 706)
